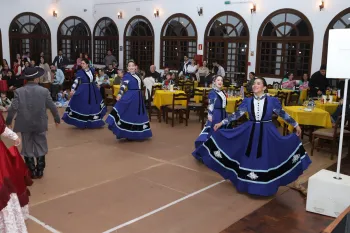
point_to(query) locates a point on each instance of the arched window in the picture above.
(227, 42)
(340, 21)
(29, 32)
(178, 38)
(285, 41)
(73, 38)
(139, 42)
(106, 37)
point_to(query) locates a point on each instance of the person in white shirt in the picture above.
(218, 69)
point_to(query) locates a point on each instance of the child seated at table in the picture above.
(103, 78)
(168, 81)
(62, 99)
(288, 83)
(5, 102)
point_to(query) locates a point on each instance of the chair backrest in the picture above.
(238, 103)
(188, 86)
(108, 93)
(282, 97)
(227, 82)
(198, 92)
(294, 98)
(181, 96)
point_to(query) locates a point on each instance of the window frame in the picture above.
(178, 40)
(76, 39)
(220, 39)
(138, 39)
(31, 39)
(284, 40)
(108, 39)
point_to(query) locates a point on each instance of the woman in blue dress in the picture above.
(128, 118)
(254, 156)
(86, 107)
(216, 111)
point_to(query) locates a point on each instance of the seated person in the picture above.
(288, 83)
(5, 102)
(167, 82)
(304, 85)
(110, 71)
(62, 99)
(119, 77)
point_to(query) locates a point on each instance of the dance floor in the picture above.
(94, 183)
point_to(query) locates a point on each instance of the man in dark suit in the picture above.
(318, 82)
(30, 104)
(61, 61)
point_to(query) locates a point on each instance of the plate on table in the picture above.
(307, 110)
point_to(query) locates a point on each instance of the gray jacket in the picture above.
(30, 104)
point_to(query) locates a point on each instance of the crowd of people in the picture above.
(259, 164)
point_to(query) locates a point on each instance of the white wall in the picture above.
(310, 8)
(44, 8)
(97, 9)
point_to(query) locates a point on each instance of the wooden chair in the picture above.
(46, 85)
(109, 98)
(226, 82)
(282, 97)
(151, 108)
(332, 135)
(176, 109)
(294, 98)
(188, 87)
(204, 110)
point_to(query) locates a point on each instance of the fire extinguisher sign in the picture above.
(200, 47)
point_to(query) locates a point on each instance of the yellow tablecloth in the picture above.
(198, 98)
(317, 117)
(231, 104)
(116, 89)
(165, 97)
(329, 107)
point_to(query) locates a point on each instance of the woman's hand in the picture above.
(118, 97)
(298, 131)
(17, 142)
(217, 126)
(210, 118)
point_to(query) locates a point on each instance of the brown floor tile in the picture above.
(181, 179)
(207, 212)
(33, 227)
(77, 167)
(100, 208)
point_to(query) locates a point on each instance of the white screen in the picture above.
(338, 61)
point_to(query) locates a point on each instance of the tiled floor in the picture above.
(94, 183)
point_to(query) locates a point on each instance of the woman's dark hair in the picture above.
(263, 81)
(252, 73)
(308, 77)
(85, 60)
(289, 74)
